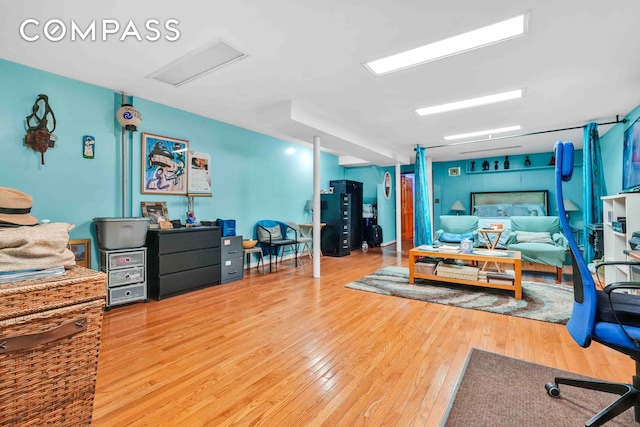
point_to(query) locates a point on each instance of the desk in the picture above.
(306, 230)
(491, 244)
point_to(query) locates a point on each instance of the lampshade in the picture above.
(569, 206)
(309, 205)
(457, 206)
(129, 117)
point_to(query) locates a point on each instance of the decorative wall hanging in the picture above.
(88, 147)
(129, 117)
(164, 165)
(40, 126)
(387, 185)
(199, 174)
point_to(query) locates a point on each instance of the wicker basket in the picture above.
(457, 272)
(49, 352)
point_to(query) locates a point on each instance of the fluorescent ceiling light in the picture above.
(468, 103)
(482, 132)
(491, 149)
(198, 63)
(465, 42)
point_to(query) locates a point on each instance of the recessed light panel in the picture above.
(198, 63)
(465, 42)
(482, 132)
(468, 103)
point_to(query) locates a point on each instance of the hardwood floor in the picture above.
(285, 349)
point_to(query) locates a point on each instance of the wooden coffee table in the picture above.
(509, 258)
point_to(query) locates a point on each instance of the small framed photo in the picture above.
(156, 212)
(164, 165)
(454, 171)
(82, 250)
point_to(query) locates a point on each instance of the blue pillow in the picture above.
(454, 237)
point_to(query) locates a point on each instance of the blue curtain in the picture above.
(594, 185)
(422, 211)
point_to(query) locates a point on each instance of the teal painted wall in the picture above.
(539, 176)
(253, 176)
(372, 178)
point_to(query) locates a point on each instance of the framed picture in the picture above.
(164, 165)
(199, 174)
(82, 250)
(156, 212)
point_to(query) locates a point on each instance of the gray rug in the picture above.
(541, 301)
(500, 391)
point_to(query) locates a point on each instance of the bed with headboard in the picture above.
(499, 206)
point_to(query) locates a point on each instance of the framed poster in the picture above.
(164, 165)
(199, 174)
(82, 251)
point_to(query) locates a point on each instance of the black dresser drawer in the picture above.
(180, 261)
(169, 285)
(179, 240)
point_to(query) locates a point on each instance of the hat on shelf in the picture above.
(15, 207)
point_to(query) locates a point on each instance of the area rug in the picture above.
(540, 301)
(496, 390)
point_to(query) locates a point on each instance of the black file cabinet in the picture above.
(335, 212)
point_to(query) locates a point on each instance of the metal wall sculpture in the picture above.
(40, 126)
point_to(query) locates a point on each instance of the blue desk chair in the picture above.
(608, 317)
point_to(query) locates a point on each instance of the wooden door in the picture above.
(406, 188)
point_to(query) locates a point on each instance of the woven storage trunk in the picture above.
(49, 343)
(457, 272)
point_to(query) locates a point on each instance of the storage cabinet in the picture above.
(615, 241)
(126, 271)
(232, 266)
(335, 212)
(182, 260)
(353, 188)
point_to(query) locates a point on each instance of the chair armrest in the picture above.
(512, 238)
(437, 234)
(560, 240)
(295, 232)
(265, 229)
(620, 285)
(600, 264)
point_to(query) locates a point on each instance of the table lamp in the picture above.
(309, 208)
(458, 207)
(569, 207)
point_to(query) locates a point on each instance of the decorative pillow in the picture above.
(533, 237)
(263, 233)
(532, 209)
(518, 210)
(454, 237)
(488, 210)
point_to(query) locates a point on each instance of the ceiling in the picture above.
(304, 74)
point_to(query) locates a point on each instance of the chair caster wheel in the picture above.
(552, 389)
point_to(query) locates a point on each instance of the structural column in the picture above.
(398, 210)
(316, 207)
